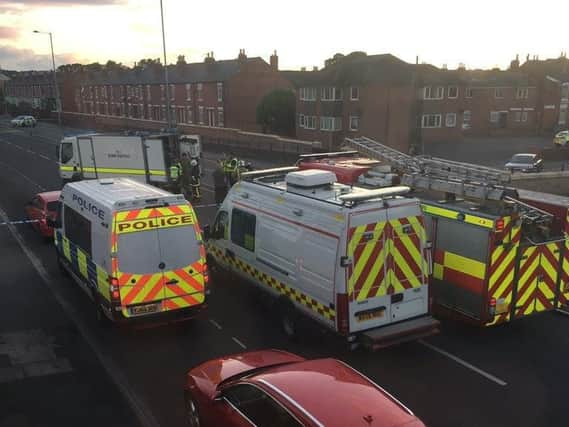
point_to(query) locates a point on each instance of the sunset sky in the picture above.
(478, 33)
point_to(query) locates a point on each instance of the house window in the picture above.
(301, 120)
(243, 229)
(354, 123)
(331, 94)
(172, 92)
(188, 91)
(498, 92)
(494, 116)
(310, 122)
(162, 92)
(201, 115)
(524, 116)
(200, 91)
(452, 92)
(330, 123)
(148, 93)
(220, 92)
(517, 116)
(308, 94)
(190, 115)
(432, 120)
(466, 117)
(450, 120)
(430, 92)
(354, 93)
(220, 117)
(522, 93)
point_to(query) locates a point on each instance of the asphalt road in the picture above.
(512, 375)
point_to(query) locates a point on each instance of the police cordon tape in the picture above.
(25, 221)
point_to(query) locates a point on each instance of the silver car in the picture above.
(525, 162)
(23, 121)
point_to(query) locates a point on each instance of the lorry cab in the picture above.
(352, 259)
(135, 249)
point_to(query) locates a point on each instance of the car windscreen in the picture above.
(52, 206)
(66, 152)
(142, 252)
(523, 158)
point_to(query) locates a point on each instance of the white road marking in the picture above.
(465, 364)
(560, 311)
(31, 181)
(24, 221)
(214, 323)
(239, 343)
(44, 157)
(145, 417)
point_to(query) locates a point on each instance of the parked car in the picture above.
(525, 162)
(276, 388)
(40, 208)
(23, 121)
(561, 139)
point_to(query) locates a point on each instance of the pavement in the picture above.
(510, 375)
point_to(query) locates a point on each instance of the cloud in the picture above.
(8, 33)
(47, 3)
(12, 58)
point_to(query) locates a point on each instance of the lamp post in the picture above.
(57, 99)
(166, 82)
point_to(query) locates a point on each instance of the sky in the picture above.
(478, 33)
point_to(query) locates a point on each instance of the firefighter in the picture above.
(230, 165)
(175, 171)
(186, 175)
(195, 179)
(219, 185)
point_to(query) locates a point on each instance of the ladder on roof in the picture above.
(451, 177)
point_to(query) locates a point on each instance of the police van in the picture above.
(136, 250)
(353, 259)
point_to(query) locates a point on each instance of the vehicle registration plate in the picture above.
(370, 315)
(144, 309)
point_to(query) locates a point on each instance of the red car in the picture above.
(42, 207)
(275, 388)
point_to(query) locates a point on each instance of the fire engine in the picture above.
(498, 253)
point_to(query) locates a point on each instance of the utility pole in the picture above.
(166, 82)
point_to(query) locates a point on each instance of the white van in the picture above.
(136, 250)
(353, 259)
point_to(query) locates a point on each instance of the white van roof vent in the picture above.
(310, 178)
(106, 181)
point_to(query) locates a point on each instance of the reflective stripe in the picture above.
(452, 214)
(156, 172)
(466, 265)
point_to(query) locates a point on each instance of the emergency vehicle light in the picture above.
(500, 224)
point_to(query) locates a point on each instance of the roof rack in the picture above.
(316, 156)
(249, 176)
(451, 177)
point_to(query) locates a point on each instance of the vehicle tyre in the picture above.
(192, 414)
(289, 319)
(61, 266)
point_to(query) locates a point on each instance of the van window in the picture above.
(77, 229)
(243, 229)
(178, 246)
(220, 225)
(66, 151)
(462, 239)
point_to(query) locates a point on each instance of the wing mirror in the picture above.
(207, 232)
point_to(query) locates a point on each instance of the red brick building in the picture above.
(34, 89)
(356, 95)
(211, 93)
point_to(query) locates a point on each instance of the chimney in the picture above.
(274, 61)
(461, 66)
(315, 68)
(302, 68)
(242, 56)
(209, 59)
(445, 67)
(515, 64)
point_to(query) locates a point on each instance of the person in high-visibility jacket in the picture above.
(186, 180)
(195, 179)
(230, 166)
(175, 171)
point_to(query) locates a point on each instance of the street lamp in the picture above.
(57, 100)
(168, 112)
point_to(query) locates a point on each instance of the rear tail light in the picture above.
(499, 225)
(342, 314)
(492, 307)
(114, 290)
(206, 279)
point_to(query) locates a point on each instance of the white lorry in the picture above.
(355, 260)
(143, 158)
(135, 249)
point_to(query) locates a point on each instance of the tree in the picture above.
(276, 112)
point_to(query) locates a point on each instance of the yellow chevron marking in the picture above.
(377, 265)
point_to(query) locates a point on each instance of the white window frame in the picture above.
(466, 116)
(220, 92)
(524, 116)
(201, 114)
(188, 91)
(494, 116)
(162, 92)
(330, 124)
(450, 120)
(220, 117)
(499, 92)
(200, 91)
(456, 92)
(310, 122)
(522, 93)
(438, 119)
(428, 92)
(148, 93)
(307, 94)
(329, 94)
(301, 120)
(189, 115)
(352, 97)
(355, 119)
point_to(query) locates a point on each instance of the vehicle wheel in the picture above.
(62, 268)
(192, 413)
(289, 319)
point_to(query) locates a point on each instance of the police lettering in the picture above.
(151, 223)
(84, 204)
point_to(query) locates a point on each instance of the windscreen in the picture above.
(522, 158)
(52, 206)
(66, 152)
(179, 247)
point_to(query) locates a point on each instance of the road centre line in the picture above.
(143, 414)
(24, 221)
(214, 323)
(464, 363)
(239, 343)
(565, 313)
